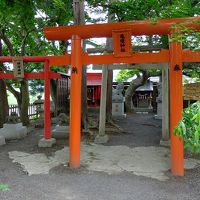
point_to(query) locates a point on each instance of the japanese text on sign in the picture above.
(18, 68)
(122, 43)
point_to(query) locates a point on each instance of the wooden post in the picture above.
(47, 117)
(75, 102)
(176, 107)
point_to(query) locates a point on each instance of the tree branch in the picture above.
(24, 44)
(13, 91)
(7, 42)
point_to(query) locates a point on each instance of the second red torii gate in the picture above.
(121, 33)
(46, 74)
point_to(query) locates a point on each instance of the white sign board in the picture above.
(18, 67)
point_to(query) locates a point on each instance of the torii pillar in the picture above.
(176, 107)
(75, 102)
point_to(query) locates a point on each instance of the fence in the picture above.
(31, 110)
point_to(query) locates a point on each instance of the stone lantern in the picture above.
(39, 103)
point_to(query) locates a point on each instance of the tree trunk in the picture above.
(23, 96)
(110, 78)
(84, 110)
(79, 18)
(24, 103)
(53, 88)
(109, 96)
(4, 107)
(139, 81)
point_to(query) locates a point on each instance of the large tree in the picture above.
(21, 30)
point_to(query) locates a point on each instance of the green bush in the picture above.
(189, 128)
(4, 187)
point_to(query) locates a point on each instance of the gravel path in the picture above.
(63, 183)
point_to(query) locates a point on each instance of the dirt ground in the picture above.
(81, 184)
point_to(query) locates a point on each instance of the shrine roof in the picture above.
(94, 79)
(146, 87)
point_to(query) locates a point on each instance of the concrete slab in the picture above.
(101, 139)
(44, 143)
(2, 140)
(152, 162)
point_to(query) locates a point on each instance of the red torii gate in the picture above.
(46, 75)
(121, 33)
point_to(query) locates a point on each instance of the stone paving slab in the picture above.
(151, 161)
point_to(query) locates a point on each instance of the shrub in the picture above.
(189, 128)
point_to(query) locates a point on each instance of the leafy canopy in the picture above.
(21, 31)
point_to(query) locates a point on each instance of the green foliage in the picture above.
(35, 118)
(36, 86)
(154, 10)
(192, 70)
(180, 8)
(189, 128)
(4, 187)
(21, 29)
(189, 37)
(125, 74)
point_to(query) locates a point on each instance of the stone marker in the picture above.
(118, 101)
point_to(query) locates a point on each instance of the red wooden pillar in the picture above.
(75, 102)
(176, 107)
(47, 117)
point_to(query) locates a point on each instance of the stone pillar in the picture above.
(165, 105)
(118, 101)
(159, 101)
(102, 137)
